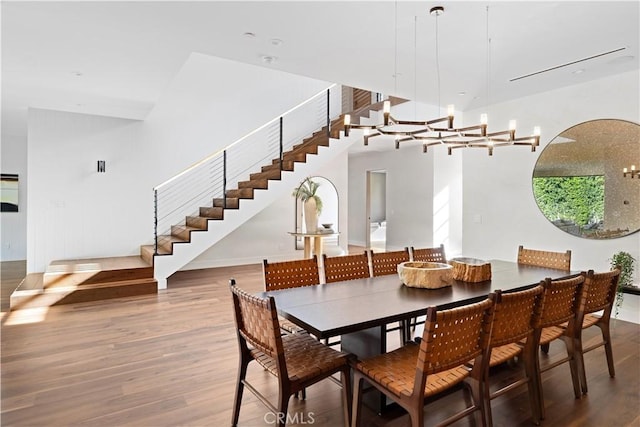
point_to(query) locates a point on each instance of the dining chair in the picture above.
(384, 264)
(515, 318)
(296, 360)
(429, 254)
(599, 296)
(436, 254)
(290, 274)
(414, 372)
(345, 267)
(561, 303)
(538, 258)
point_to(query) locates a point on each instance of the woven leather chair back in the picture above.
(561, 300)
(558, 260)
(516, 314)
(385, 263)
(601, 290)
(346, 267)
(290, 274)
(455, 336)
(257, 322)
(429, 254)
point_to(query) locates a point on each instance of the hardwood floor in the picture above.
(170, 359)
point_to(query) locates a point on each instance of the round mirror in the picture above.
(580, 184)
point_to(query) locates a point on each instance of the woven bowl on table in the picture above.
(428, 275)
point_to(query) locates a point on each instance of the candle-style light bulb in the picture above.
(386, 110)
(512, 125)
(536, 131)
(633, 168)
(347, 119)
(483, 119)
(450, 110)
(624, 170)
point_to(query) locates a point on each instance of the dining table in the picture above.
(359, 310)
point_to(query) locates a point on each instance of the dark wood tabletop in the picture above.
(339, 308)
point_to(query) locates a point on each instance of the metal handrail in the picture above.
(211, 177)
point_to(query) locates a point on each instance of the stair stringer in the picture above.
(183, 253)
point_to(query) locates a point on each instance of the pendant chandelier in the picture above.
(441, 131)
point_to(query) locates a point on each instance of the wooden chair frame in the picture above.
(436, 254)
(415, 372)
(599, 295)
(538, 258)
(290, 274)
(345, 267)
(307, 360)
(515, 318)
(561, 303)
(386, 263)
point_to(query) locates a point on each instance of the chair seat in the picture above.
(550, 333)
(306, 358)
(396, 371)
(504, 353)
(590, 320)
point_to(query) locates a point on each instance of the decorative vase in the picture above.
(310, 215)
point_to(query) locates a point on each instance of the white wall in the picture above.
(13, 225)
(76, 213)
(409, 196)
(424, 190)
(500, 212)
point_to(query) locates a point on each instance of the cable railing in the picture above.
(210, 178)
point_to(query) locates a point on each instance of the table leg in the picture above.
(368, 343)
(307, 247)
(317, 246)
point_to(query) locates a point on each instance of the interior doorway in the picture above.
(376, 210)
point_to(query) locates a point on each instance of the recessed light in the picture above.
(578, 71)
(249, 35)
(462, 93)
(276, 42)
(77, 73)
(267, 59)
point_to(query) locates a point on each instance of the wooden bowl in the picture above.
(429, 275)
(470, 269)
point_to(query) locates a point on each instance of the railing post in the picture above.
(155, 221)
(224, 179)
(328, 113)
(281, 156)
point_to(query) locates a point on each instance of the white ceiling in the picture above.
(116, 58)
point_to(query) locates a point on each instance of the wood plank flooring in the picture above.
(170, 360)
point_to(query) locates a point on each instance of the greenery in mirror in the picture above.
(308, 190)
(574, 203)
(626, 262)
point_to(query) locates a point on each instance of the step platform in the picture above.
(85, 280)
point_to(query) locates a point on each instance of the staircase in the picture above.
(85, 280)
